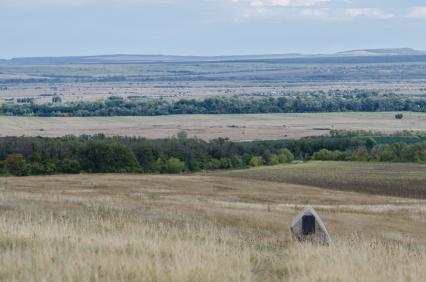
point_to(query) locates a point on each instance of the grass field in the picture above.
(395, 179)
(88, 82)
(236, 127)
(200, 228)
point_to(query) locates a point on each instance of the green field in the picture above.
(395, 179)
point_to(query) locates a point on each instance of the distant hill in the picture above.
(383, 52)
(354, 56)
(129, 59)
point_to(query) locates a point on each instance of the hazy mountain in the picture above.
(383, 52)
(366, 55)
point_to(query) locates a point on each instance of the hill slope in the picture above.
(157, 58)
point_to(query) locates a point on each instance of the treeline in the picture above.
(396, 152)
(98, 154)
(336, 101)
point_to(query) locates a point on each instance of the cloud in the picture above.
(67, 3)
(315, 13)
(368, 12)
(417, 12)
(276, 10)
(286, 3)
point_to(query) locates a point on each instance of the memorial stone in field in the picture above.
(308, 226)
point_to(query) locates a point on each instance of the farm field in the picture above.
(81, 81)
(236, 127)
(83, 91)
(398, 179)
(201, 228)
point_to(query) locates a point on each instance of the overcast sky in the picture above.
(207, 27)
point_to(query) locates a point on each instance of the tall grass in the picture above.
(107, 245)
(114, 245)
(49, 233)
(357, 259)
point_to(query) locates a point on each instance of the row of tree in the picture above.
(356, 101)
(98, 154)
(396, 152)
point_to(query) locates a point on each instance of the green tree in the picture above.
(102, 157)
(399, 116)
(2, 169)
(286, 156)
(37, 168)
(325, 155)
(15, 164)
(370, 143)
(173, 165)
(146, 154)
(275, 159)
(69, 166)
(256, 161)
(421, 156)
(237, 162)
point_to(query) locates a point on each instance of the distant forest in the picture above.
(23, 156)
(333, 101)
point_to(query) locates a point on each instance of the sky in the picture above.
(207, 27)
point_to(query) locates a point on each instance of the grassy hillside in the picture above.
(397, 179)
(200, 228)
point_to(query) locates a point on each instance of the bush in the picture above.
(286, 156)
(421, 156)
(41, 168)
(15, 164)
(237, 162)
(360, 155)
(2, 169)
(69, 166)
(213, 164)
(173, 165)
(324, 155)
(275, 159)
(256, 161)
(399, 116)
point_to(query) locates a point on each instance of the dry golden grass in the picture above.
(235, 127)
(200, 228)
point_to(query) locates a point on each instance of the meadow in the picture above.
(213, 226)
(81, 81)
(201, 228)
(397, 179)
(207, 127)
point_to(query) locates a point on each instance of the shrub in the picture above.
(41, 168)
(286, 156)
(15, 164)
(213, 164)
(421, 156)
(2, 169)
(225, 163)
(325, 155)
(173, 165)
(360, 155)
(237, 162)
(256, 161)
(399, 116)
(275, 159)
(69, 166)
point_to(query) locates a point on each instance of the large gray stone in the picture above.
(308, 226)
